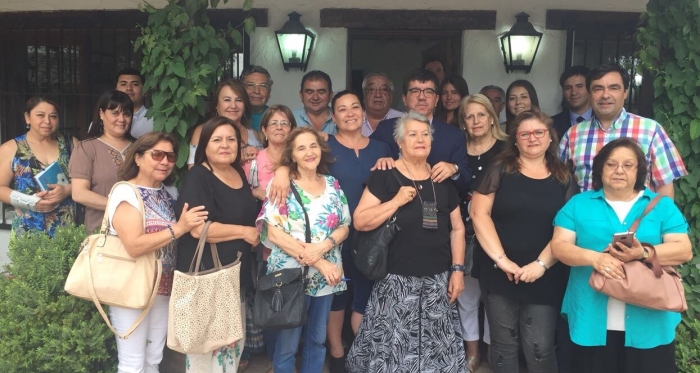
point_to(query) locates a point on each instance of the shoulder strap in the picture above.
(308, 224)
(650, 206)
(142, 209)
(395, 173)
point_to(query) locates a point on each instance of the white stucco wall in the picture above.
(482, 59)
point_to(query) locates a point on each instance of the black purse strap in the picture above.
(395, 173)
(308, 223)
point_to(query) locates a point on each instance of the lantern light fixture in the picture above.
(295, 43)
(520, 44)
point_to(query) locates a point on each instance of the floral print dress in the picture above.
(326, 213)
(24, 167)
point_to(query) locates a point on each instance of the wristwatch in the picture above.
(456, 174)
(645, 254)
(458, 268)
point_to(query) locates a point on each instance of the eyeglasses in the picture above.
(428, 92)
(382, 90)
(524, 135)
(158, 155)
(280, 124)
(613, 166)
(252, 86)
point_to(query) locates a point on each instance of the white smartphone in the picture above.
(626, 238)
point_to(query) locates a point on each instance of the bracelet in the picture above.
(172, 232)
(542, 264)
(458, 268)
(333, 242)
(495, 262)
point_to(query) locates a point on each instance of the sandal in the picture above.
(473, 363)
(243, 365)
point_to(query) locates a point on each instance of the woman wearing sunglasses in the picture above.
(512, 210)
(94, 162)
(147, 166)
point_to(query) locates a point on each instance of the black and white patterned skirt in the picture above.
(409, 326)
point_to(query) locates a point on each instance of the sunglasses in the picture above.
(158, 155)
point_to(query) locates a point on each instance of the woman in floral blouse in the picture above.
(283, 229)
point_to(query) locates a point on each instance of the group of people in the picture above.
(533, 203)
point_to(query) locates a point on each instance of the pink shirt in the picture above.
(265, 169)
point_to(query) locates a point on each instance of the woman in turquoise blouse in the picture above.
(609, 335)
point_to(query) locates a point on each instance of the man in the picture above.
(258, 85)
(378, 89)
(130, 81)
(576, 101)
(608, 87)
(497, 96)
(315, 94)
(448, 155)
(435, 66)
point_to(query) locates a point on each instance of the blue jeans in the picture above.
(313, 353)
(511, 322)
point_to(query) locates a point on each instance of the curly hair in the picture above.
(286, 159)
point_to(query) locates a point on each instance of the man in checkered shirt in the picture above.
(608, 86)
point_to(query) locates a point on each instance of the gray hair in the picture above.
(252, 69)
(400, 126)
(371, 75)
(495, 88)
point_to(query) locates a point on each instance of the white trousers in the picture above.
(143, 350)
(468, 305)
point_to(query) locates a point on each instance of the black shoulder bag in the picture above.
(372, 248)
(280, 300)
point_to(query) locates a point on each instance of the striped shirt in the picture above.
(583, 141)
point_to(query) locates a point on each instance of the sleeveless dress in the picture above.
(24, 167)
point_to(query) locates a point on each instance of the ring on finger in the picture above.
(607, 269)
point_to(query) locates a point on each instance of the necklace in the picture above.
(420, 186)
(429, 208)
(488, 147)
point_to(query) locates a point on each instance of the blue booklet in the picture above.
(52, 174)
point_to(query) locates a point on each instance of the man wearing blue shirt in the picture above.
(576, 99)
(448, 155)
(258, 85)
(315, 94)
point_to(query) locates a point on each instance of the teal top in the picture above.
(303, 120)
(594, 221)
(255, 119)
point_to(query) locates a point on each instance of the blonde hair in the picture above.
(478, 98)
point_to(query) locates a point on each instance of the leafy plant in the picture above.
(688, 346)
(670, 50)
(42, 328)
(182, 59)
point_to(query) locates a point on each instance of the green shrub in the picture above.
(688, 346)
(42, 328)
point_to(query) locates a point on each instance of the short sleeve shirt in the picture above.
(326, 213)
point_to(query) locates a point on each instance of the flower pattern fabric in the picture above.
(326, 213)
(24, 167)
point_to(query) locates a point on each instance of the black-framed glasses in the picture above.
(613, 166)
(158, 155)
(524, 135)
(428, 92)
(261, 86)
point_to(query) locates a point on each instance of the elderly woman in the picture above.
(609, 335)
(22, 158)
(512, 211)
(230, 100)
(354, 155)
(520, 96)
(485, 140)
(283, 228)
(217, 181)
(147, 167)
(411, 322)
(93, 165)
(452, 90)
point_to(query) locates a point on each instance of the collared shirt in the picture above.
(583, 141)
(586, 115)
(303, 121)
(593, 220)
(367, 128)
(255, 118)
(140, 125)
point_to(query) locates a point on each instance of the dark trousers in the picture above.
(614, 357)
(564, 345)
(514, 324)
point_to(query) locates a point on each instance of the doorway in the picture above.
(397, 52)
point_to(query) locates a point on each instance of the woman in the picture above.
(23, 157)
(452, 90)
(609, 335)
(411, 322)
(520, 96)
(485, 140)
(217, 181)
(354, 155)
(282, 228)
(148, 166)
(94, 163)
(231, 100)
(512, 211)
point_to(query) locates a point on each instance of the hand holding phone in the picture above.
(625, 238)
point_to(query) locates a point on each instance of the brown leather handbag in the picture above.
(646, 284)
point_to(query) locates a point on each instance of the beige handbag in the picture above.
(205, 307)
(105, 273)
